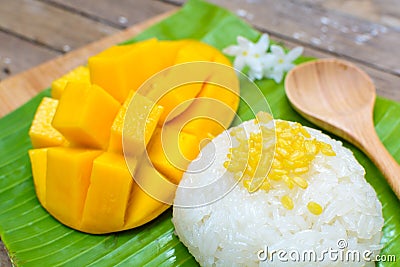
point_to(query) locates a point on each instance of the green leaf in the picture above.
(34, 238)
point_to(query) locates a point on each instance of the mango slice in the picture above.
(172, 150)
(112, 144)
(42, 133)
(120, 69)
(38, 159)
(143, 207)
(67, 182)
(79, 74)
(85, 115)
(108, 194)
(142, 120)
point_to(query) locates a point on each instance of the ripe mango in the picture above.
(111, 149)
(85, 115)
(142, 118)
(108, 194)
(42, 133)
(79, 74)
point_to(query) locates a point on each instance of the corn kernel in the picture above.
(314, 208)
(287, 202)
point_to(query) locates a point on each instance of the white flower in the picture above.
(280, 62)
(259, 62)
(249, 54)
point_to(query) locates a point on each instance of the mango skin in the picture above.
(76, 180)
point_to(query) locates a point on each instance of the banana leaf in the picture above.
(34, 238)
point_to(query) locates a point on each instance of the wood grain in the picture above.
(13, 48)
(350, 36)
(49, 26)
(121, 13)
(18, 89)
(387, 85)
(383, 12)
(340, 98)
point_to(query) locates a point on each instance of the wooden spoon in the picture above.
(339, 97)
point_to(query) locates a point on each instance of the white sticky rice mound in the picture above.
(232, 230)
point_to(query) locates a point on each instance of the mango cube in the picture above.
(143, 206)
(42, 133)
(108, 194)
(141, 120)
(67, 182)
(79, 74)
(171, 150)
(38, 159)
(120, 69)
(85, 114)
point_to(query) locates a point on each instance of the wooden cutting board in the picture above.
(18, 89)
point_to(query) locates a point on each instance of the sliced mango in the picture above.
(38, 159)
(195, 51)
(42, 133)
(171, 151)
(108, 194)
(143, 207)
(142, 120)
(67, 182)
(85, 115)
(120, 69)
(202, 113)
(79, 74)
(87, 185)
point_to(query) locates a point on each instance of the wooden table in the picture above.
(32, 32)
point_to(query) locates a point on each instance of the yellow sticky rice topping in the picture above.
(254, 162)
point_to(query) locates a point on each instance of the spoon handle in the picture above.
(373, 147)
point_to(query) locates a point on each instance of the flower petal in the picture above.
(262, 44)
(277, 75)
(268, 60)
(243, 42)
(277, 50)
(294, 53)
(239, 63)
(255, 74)
(254, 63)
(232, 50)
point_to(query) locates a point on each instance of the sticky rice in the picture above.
(223, 224)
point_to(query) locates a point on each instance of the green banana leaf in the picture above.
(34, 238)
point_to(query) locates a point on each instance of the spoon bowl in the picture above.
(339, 97)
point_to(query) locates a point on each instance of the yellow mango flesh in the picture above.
(141, 122)
(108, 194)
(42, 133)
(211, 98)
(172, 150)
(85, 115)
(38, 159)
(87, 185)
(79, 74)
(142, 207)
(123, 68)
(67, 181)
